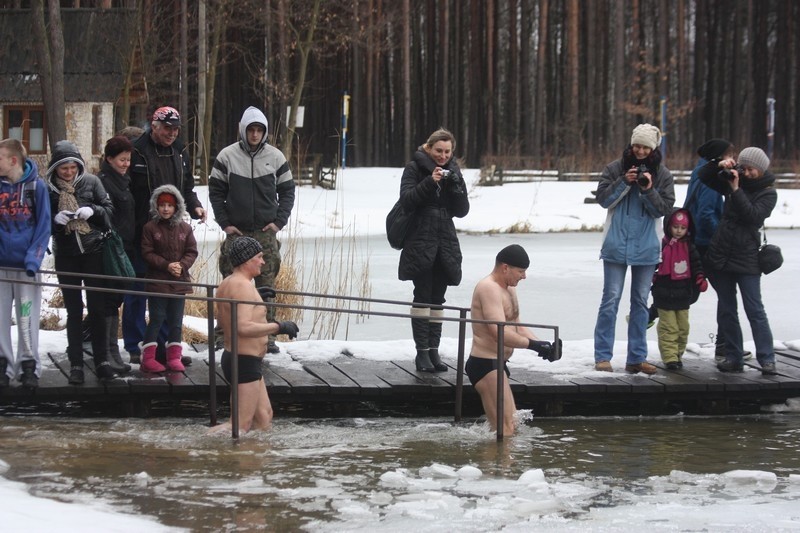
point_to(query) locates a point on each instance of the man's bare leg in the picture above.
(255, 410)
(487, 388)
(262, 418)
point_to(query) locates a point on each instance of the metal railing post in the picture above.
(462, 335)
(235, 370)
(500, 375)
(212, 356)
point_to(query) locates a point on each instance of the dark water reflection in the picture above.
(310, 470)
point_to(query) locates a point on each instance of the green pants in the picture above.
(673, 333)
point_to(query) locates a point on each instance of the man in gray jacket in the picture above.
(252, 193)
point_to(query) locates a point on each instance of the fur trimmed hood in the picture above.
(180, 208)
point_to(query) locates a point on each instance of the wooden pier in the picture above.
(344, 386)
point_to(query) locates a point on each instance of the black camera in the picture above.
(726, 174)
(641, 179)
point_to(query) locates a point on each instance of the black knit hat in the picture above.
(514, 255)
(714, 149)
(243, 249)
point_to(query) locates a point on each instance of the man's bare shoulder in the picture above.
(235, 287)
(487, 287)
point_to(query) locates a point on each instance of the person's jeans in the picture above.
(604, 330)
(728, 315)
(167, 311)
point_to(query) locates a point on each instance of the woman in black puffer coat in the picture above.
(732, 256)
(433, 189)
(81, 212)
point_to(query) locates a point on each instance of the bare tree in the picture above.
(49, 47)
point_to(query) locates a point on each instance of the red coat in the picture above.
(162, 244)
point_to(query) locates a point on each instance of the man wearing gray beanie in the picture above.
(732, 258)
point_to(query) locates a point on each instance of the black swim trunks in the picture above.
(249, 367)
(477, 367)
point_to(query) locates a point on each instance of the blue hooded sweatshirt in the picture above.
(24, 220)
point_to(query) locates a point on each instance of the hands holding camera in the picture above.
(440, 173)
(729, 170)
(546, 349)
(62, 217)
(641, 176)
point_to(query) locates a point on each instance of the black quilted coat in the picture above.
(434, 205)
(734, 246)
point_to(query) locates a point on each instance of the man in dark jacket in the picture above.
(158, 159)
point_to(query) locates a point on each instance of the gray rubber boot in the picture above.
(420, 328)
(114, 357)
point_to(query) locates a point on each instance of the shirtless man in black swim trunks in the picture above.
(255, 410)
(495, 298)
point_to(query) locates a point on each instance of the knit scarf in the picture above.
(68, 202)
(675, 259)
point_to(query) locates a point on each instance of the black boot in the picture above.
(76, 375)
(420, 329)
(423, 361)
(29, 379)
(105, 372)
(434, 336)
(114, 357)
(4, 381)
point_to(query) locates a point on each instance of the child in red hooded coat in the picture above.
(677, 284)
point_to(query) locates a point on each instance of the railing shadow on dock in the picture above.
(210, 300)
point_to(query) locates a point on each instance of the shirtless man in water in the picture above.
(255, 410)
(495, 298)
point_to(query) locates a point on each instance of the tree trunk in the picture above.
(49, 49)
(406, 53)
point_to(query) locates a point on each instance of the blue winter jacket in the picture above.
(24, 220)
(630, 229)
(705, 205)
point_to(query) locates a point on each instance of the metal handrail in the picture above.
(210, 299)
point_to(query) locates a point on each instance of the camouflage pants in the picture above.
(272, 260)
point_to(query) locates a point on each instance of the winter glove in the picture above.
(267, 293)
(287, 327)
(62, 217)
(546, 349)
(84, 212)
(701, 282)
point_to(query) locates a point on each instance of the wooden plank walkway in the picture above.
(344, 385)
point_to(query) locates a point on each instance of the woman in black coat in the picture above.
(433, 189)
(81, 209)
(115, 179)
(732, 256)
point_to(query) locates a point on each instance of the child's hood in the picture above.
(180, 208)
(689, 222)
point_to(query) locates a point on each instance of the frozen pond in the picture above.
(390, 474)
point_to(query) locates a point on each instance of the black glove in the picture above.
(266, 293)
(287, 327)
(546, 350)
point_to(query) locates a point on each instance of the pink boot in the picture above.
(149, 363)
(174, 353)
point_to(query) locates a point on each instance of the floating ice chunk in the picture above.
(469, 472)
(437, 470)
(534, 476)
(794, 479)
(4, 466)
(396, 479)
(751, 477)
(380, 498)
(142, 479)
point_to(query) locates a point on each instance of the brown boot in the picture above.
(644, 368)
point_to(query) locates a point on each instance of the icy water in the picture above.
(390, 474)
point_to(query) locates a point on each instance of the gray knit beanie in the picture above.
(646, 135)
(754, 157)
(243, 249)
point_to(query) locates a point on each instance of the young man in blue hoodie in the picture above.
(24, 234)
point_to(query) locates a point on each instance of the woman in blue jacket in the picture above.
(636, 190)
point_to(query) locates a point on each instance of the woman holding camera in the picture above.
(732, 256)
(636, 190)
(433, 189)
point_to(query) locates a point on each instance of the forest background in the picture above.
(535, 83)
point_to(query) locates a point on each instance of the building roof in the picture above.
(96, 48)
